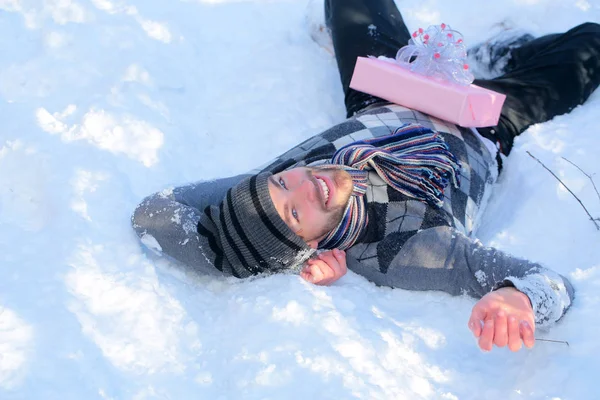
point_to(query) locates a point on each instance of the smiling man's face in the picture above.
(311, 201)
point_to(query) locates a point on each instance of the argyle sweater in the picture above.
(407, 244)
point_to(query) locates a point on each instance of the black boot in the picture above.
(492, 57)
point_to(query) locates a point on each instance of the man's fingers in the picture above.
(340, 257)
(514, 336)
(501, 329)
(487, 336)
(328, 274)
(322, 272)
(336, 260)
(306, 276)
(315, 273)
(306, 273)
(527, 334)
(475, 326)
(330, 259)
(476, 320)
(326, 268)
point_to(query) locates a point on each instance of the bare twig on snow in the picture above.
(586, 174)
(554, 341)
(566, 187)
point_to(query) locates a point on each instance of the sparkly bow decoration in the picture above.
(438, 52)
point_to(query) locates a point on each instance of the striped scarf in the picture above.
(414, 160)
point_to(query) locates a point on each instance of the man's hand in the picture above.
(503, 317)
(327, 268)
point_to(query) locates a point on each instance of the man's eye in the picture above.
(295, 214)
(282, 184)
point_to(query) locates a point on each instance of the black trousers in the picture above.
(545, 77)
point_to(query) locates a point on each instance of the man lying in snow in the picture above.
(320, 208)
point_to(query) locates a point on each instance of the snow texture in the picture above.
(545, 302)
(151, 242)
(481, 278)
(104, 102)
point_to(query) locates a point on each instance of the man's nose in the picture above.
(307, 190)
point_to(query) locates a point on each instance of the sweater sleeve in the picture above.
(443, 259)
(169, 223)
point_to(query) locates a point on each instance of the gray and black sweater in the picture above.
(408, 244)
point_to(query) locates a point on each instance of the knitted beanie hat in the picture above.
(253, 234)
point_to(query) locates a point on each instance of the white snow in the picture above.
(150, 242)
(103, 102)
(481, 277)
(15, 344)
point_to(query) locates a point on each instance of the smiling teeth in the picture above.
(325, 189)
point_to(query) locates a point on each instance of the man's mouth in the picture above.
(324, 189)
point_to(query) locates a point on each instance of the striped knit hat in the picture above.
(253, 234)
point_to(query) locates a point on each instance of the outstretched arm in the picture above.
(173, 222)
(443, 259)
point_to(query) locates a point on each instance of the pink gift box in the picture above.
(468, 106)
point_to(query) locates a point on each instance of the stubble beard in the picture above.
(343, 183)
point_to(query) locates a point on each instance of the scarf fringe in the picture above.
(418, 163)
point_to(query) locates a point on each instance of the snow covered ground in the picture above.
(104, 101)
